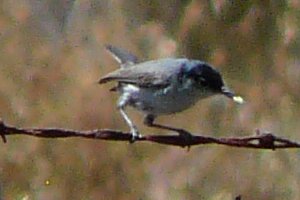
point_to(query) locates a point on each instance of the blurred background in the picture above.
(52, 54)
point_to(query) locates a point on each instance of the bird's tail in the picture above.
(122, 56)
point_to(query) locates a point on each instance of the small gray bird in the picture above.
(161, 87)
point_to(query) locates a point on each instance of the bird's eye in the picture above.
(202, 81)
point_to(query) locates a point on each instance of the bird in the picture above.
(162, 87)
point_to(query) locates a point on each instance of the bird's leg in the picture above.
(121, 106)
(149, 121)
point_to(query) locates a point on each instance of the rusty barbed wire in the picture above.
(261, 140)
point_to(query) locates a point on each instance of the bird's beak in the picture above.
(231, 95)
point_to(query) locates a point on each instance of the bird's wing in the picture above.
(157, 73)
(123, 57)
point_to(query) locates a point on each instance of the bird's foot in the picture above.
(134, 135)
(187, 137)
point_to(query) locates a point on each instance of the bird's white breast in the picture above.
(172, 99)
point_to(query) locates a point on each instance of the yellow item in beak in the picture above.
(238, 99)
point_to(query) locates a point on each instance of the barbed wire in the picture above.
(261, 140)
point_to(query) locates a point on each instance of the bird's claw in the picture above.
(134, 135)
(188, 138)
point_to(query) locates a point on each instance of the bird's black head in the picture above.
(205, 76)
(208, 78)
